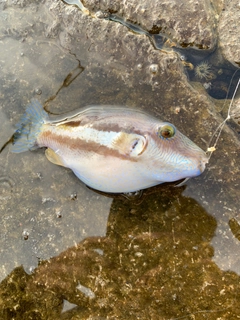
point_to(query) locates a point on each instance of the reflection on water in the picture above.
(68, 252)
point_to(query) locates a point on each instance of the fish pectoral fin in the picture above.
(53, 157)
(130, 144)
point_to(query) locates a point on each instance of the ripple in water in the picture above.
(6, 185)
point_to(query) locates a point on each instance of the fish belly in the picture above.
(109, 174)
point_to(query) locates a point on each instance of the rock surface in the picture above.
(169, 17)
(228, 31)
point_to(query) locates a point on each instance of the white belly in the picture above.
(109, 174)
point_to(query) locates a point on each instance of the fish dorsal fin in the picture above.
(129, 144)
(53, 157)
(90, 114)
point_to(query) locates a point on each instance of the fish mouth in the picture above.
(202, 164)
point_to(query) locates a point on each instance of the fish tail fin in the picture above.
(29, 127)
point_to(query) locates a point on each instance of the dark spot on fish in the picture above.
(134, 145)
(72, 123)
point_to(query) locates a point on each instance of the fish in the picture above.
(114, 149)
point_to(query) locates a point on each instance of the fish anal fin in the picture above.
(53, 157)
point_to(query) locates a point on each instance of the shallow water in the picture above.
(171, 254)
(208, 67)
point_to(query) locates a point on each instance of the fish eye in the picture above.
(166, 131)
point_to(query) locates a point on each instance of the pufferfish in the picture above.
(113, 149)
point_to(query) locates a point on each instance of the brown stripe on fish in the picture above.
(72, 124)
(115, 127)
(105, 127)
(54, 141)
(111, 124)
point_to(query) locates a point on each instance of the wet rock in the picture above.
(228, 30)
(168, 17)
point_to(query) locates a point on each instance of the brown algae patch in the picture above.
(137, 270)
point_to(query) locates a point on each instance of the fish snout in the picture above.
(202, 163)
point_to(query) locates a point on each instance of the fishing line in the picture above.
(219, 129)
